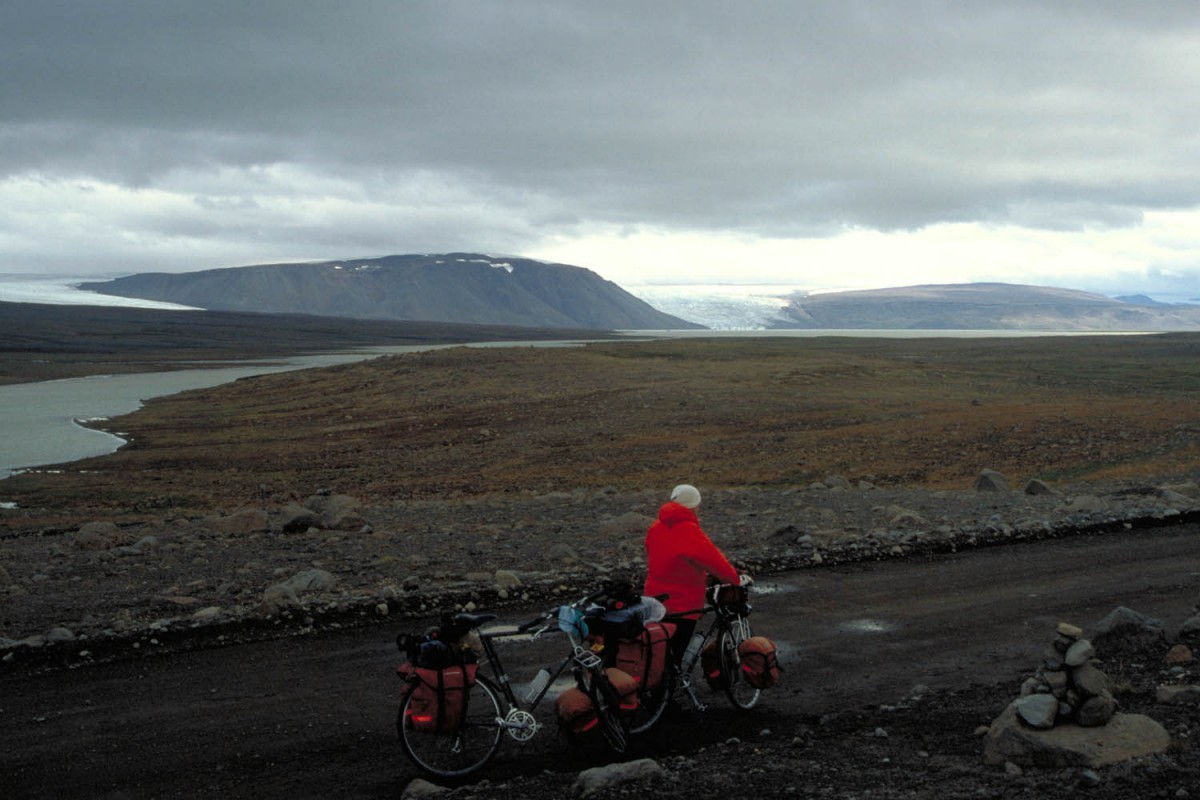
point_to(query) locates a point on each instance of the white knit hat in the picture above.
(686, 495)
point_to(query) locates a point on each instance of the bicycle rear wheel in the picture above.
(739, 691)
(455, 755)
(653, 703)
(613, 725)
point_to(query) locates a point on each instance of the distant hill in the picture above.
(455, 287)
(974, 306)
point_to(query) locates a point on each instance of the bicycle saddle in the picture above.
(473, 620)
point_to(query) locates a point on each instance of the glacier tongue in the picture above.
(724, 307)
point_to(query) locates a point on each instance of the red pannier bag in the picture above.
(626, 687)
(439, 696)
(645, 656)
(760, 666)
(576, 714)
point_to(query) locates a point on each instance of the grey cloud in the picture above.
(777, 118)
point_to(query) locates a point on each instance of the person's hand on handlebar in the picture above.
(745, 580)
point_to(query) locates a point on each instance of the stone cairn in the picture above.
(1068, 686)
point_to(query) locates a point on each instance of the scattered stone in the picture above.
(562, 553)
(207, 613)
(337, 512)
(419, 788)
(990, 481)
(904, 519)
(1178, 695)
(242, 522)
(146, 543)
(506, 579)
(1179, 654)
(56, 635)
(837, 482)
(277, 598)
(597, 780)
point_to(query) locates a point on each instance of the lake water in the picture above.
(39, 422)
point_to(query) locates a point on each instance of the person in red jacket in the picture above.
(679, 560)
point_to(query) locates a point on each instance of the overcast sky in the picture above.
(835, 144)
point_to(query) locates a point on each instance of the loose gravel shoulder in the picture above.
(326, 560)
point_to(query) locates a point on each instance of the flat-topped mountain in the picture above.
(986, 306)
(455, 287)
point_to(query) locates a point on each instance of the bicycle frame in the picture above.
(725, 617)
(501, 674)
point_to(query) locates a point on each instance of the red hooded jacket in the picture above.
(680, 557)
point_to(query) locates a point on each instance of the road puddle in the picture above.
(866, 626)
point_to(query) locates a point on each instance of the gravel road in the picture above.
(313, 716)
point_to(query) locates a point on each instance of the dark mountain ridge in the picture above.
(981, 306)
(455, 287)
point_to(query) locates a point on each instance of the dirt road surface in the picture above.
(313, 717)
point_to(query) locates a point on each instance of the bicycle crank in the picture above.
(520, 725)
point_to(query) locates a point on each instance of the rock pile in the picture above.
(1068, 686)
(1066, 714)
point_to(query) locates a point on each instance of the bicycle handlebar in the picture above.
(549, 615)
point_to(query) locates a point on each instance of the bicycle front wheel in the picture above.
(739, 691)
(457, 754)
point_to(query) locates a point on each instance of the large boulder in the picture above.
(1126, 736)
(337, 512)
(1189, 631)
(241, 522)
(99, 536)
(989, 480)
(298, 519)
(311, 580)
(1126, 632)
(628, 777)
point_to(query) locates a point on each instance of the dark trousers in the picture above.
(684, 629)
